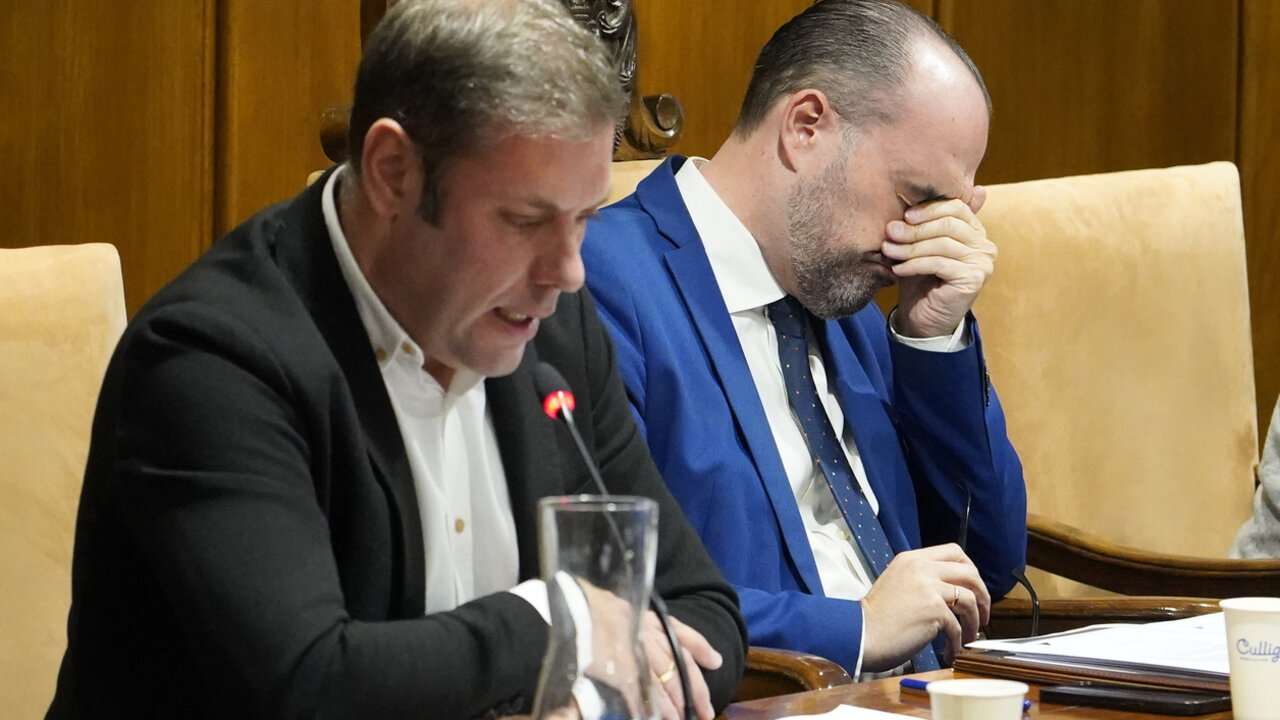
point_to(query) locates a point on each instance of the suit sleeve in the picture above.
(216, 481)
(956, 445)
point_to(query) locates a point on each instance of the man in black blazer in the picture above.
(269, 525)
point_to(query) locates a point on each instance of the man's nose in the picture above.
(561, 265)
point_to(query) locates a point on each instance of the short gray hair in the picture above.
(857, 52)
(461, 75)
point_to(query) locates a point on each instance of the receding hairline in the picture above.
(948, 49)
(859, 53)
(890, 98)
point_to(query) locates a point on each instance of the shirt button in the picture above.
(459, 525)
(407, 348)
(381, 355)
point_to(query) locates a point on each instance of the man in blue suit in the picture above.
(851, 167)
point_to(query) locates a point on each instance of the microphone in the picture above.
(558, 404)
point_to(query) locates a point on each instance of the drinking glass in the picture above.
(598, 555)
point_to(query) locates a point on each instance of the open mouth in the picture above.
(514, 318)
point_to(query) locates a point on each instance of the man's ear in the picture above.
(390, 169)
(808, 126)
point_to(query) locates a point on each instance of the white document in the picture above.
(847, 712)
(1195, 647)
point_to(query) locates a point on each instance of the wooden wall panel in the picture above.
(703, 52)
(1083, 86)
(107, 130)
(280, 64)
(1260, 181)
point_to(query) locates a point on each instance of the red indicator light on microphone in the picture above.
(557, 400)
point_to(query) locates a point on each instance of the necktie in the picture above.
(788, 318)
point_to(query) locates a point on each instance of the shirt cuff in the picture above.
(958, 340)
(590, 704)
(534, 592)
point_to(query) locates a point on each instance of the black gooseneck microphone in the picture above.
(558, 403)
(1019, 574)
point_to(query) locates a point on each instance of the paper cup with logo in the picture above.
(976, 699)
(1253, 650)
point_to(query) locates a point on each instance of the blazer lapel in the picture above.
(306, 255)
(691, 272)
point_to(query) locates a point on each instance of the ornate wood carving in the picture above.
(652, 125)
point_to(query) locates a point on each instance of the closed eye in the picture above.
(523, 222)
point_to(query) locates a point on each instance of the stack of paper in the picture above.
(1191, 653)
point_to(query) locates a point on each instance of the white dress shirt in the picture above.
(748, 286)
(468, 531)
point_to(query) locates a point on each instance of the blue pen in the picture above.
(920, 687)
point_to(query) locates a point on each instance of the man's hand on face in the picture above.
(944, 258)
(920, 594)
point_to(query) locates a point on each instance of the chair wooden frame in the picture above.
(1091, 559)
(773, 672)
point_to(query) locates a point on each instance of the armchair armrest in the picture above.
(773, 672)
(1082, 556)
(1011, 617)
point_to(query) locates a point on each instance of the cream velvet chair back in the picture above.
(61, 313)
(626, 174)
(1116, 330)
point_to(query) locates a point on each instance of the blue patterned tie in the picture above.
(788, 318)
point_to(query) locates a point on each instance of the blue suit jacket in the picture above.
(927, 425)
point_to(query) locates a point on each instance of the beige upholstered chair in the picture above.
(1116, 329)
(1117, 332)
(626, 174)
(61, 312)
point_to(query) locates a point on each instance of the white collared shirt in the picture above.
(748, 286)
(468, 531)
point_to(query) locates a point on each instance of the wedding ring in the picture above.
(954, 598)
(668, 673)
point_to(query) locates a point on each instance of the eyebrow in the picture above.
(546, 206)
(538, 205)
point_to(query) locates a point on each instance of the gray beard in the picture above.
(831, 282)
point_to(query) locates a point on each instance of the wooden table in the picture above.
(885, 695)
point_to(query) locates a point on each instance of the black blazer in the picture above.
(249, 543)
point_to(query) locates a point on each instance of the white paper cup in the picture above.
(1253, 649)
(976, 699)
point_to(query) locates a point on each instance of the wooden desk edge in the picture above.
(885, 695)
